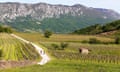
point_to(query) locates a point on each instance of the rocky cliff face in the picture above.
(43, 10)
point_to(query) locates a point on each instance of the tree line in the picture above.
(98, 28)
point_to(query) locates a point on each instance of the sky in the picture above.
(108, 4)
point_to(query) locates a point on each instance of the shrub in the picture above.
(55, 46)
(117, 40)
(94, 41)
(85, 41)
(0, 53)
(63, 45)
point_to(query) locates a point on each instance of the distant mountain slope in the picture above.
(97, 29)
(58, 18)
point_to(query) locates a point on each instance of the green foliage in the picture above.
(117, 40)
(112, 26)
(55, 46)
(47, 34)
(0, 53)
(96, 29)
(63, 45)
(93, 41)
(6, 29)
(68, 23)
(25, 24)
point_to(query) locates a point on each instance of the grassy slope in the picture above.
(97, 29)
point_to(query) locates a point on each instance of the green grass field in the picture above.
(35, 37)
(102, 57)
(68, 66)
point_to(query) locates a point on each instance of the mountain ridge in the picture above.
(77, 14)
(12, 10)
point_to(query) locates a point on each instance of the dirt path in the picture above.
(45, 57)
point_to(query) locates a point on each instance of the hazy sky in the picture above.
(109, 4)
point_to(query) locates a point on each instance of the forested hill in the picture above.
(96, 29)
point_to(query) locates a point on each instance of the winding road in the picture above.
(45, 57)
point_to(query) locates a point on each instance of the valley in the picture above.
(43, 37)
(102, 57)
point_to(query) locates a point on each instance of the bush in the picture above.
(0, 53)
(84, 41)
(55, 46)
(117, 40)
(94, 41)
(63, 45)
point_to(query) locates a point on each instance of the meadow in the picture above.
(35, 37)
(102, 57)
(67, 66)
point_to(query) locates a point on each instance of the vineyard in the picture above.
(98, 53)
(88, 58)
(101, 58)
(105, 53)
(16, 50)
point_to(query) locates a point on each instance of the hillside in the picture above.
(97, 29)
(57, 18)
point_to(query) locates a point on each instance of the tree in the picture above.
(47, 34)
